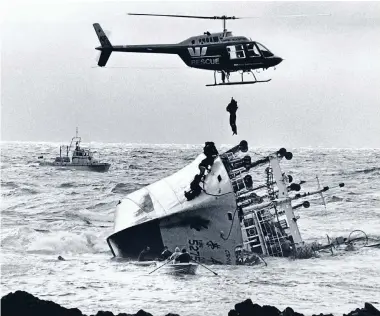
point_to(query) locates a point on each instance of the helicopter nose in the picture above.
(277, 60)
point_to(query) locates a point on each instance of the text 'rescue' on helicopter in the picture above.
(220, 52)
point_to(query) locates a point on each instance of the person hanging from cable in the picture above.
(232, 108)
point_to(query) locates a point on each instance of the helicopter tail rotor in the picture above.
(106, 46)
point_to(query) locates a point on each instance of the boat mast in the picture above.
(283, 194)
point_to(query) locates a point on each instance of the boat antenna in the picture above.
(76, 134)
(322, 197)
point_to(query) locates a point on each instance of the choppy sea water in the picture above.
(47, 212)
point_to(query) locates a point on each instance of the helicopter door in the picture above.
(252, 51)
(236, 51)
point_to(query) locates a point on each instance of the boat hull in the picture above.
(180, 268)
(98, 167)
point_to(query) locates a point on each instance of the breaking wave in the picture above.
(53, 242)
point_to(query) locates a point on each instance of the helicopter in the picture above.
(220, 52)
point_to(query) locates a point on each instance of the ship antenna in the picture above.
(322, 197)
(76, 132)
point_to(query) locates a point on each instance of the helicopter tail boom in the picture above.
(106, 47)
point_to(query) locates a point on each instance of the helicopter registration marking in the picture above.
(205, 61)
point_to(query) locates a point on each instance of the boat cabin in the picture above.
(80, 156)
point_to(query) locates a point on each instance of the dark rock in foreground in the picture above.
(247, 308)
(23, 304)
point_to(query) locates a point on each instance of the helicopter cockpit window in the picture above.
(252, 50)
(265, 51)
(236, 51)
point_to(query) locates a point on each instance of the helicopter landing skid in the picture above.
(228, 83)
(235, 83)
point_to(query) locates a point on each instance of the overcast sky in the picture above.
(325, 93)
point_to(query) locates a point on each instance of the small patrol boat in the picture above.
(81, 158)
(180, 268)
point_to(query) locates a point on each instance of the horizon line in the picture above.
(178, 144)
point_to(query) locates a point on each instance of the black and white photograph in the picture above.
(185, 158)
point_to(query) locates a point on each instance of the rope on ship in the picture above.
(232, 223)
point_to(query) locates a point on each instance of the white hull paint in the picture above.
(159, 214)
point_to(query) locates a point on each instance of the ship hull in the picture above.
(160, 215)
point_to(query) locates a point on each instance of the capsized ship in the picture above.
(210, 207)
(81, 158)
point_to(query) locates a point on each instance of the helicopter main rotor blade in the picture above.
(285, 16)
(223, 17)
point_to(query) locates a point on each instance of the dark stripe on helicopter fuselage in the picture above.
(210, 56)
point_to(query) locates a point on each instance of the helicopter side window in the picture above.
(236, 51)
(240, 51)
(252, 51)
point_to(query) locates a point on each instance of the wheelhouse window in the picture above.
(265, 51)
(215, 39)
(248, 222)
(236, 51)
(252, 51)
(252, 232)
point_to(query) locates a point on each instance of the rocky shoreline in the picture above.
(22, 303)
